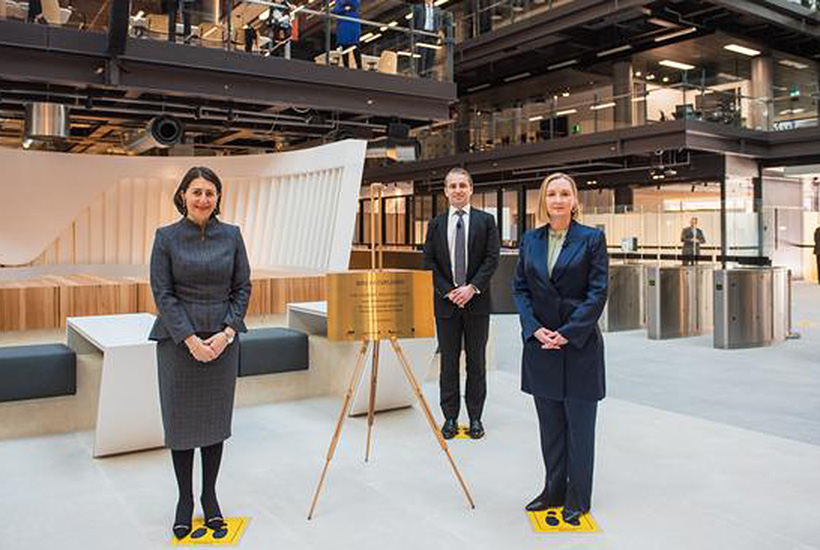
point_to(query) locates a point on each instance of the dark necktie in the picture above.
(460, 269)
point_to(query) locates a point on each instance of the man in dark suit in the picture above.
(461, 249)
(692, 238)
(429, 19)
(817, 251)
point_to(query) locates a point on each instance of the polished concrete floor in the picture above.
(697, 448)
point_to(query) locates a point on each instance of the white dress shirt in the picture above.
(429, 20)
(452, 220)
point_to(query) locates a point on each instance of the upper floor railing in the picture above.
(417, 43)
(563, 116)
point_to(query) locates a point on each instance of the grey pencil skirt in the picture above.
(196, 398)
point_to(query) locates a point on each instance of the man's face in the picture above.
(693, 222)
(458, 190)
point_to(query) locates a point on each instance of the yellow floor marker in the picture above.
(463, 433)
(550, 521)
(230, 535)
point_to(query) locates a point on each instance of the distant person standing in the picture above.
(691, 237)
(430, 19)
(348, 30)
(817, 251)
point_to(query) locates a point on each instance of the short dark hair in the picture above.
(194, 173)
(458, 171)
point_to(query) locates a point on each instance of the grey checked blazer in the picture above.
(200, 278)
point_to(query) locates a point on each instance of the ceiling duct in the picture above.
(46, 121)
(162, 131)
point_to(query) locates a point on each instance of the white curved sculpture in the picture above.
(297, 209)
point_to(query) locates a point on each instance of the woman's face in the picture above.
(560, 198)
(200, 200)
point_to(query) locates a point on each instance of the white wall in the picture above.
(297, 210)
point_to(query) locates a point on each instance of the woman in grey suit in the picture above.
(201, 282)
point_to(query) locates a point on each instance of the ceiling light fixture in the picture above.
(566, 112)
(676, 34)
(562, 65)
(614, 50)
(479, 87)
(536, 118)
(677, 65)
(516, 77)
(737, 48)
(793, 64)
(603, 106)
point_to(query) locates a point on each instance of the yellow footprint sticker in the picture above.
(229, 535)
(463, 433)
(550, 521)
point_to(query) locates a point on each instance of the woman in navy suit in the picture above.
(560, 289)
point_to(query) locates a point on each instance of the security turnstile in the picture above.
(679, 301)
(624, 309)
(752, 307)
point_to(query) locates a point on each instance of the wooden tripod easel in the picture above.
(358, 371)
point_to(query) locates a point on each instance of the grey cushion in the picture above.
(270, 350)
(29, 372)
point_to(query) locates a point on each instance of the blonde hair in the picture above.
(542, 215)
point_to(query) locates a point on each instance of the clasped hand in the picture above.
(549, 339)
(461, 295)
(205, 351)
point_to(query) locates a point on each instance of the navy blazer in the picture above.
(570, 301)
(200, 278)
(483, 246)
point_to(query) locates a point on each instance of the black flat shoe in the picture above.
(573, 517)
(182, 520)
(476, 429)
(449, 429)
(213, 515)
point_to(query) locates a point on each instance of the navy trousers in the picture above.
(568, 447)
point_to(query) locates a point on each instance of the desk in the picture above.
(128, 413)
(393, 391)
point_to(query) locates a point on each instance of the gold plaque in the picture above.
(376, 305)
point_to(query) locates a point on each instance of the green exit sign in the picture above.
(576, 128)
(794, 92)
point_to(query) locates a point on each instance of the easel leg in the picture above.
(374, 373)
(354, 383)
(411, 378)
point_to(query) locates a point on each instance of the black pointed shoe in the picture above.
(449, 429)
(182, 520)
(543, 502)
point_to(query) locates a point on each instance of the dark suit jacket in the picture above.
(570, 301)
(200, 279)
(419, 13)
(817, 241)
(483, 247)
(690, 247)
